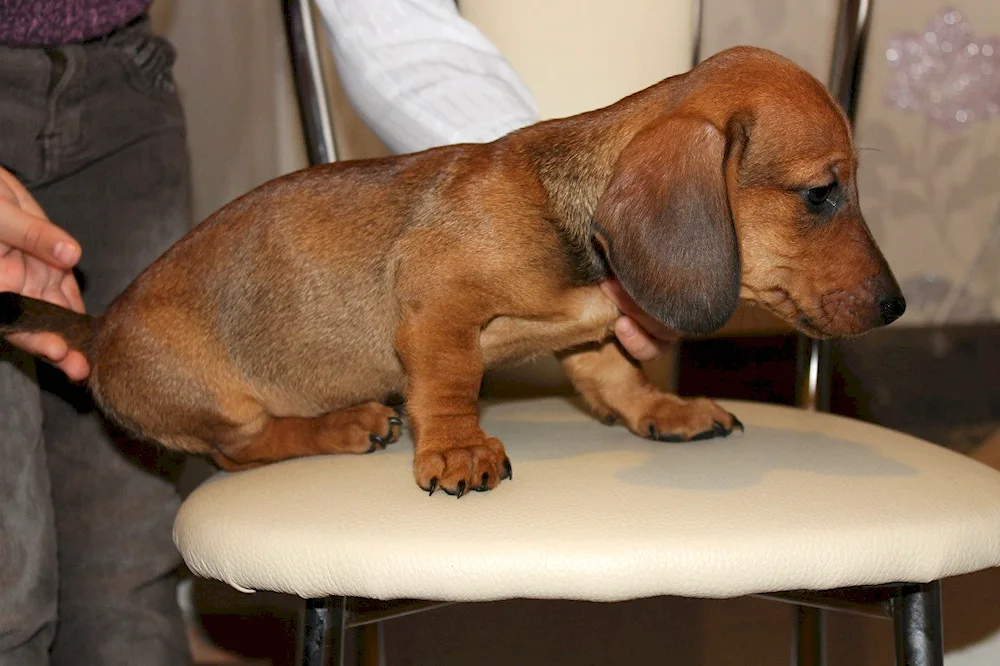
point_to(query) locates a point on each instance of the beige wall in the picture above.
(798, 29)
(234, 77)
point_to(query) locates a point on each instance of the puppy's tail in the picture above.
(20, 314)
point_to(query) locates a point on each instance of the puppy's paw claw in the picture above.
(664, 436)
(674, 420)
(459, 470)
(508, 471)
(458, 491)
(377, 443)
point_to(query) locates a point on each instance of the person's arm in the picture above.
(420, 75)
(37, 259)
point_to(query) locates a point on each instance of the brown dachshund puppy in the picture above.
(274, 328)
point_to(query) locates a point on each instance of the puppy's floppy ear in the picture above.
(666, 228)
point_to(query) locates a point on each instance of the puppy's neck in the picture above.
(573, 159)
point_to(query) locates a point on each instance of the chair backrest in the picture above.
(578, 55)
(311, 86)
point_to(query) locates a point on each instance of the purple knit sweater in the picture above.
(54, 22)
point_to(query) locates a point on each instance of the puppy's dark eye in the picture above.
(822, 199)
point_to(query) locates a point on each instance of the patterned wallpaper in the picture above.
(929, 112)
(928, 129)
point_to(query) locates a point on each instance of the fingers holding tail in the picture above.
(21, 314)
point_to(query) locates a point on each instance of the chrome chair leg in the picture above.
(323, 632)
(916, 616)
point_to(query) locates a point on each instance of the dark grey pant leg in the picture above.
(28, 572)
(114, 173)
(126, 199)
(115, 498)
(27, 534)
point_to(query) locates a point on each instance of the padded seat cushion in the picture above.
(800, 501)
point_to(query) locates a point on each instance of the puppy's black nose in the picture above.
(892, 308)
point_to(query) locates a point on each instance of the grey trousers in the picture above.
(87, 563)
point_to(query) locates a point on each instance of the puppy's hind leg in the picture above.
(361, 429)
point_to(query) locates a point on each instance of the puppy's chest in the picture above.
(578, 316)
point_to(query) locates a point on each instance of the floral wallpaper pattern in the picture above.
(945, 73)
(928, 132)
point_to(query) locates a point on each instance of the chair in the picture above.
(812, 508)
(809, 508)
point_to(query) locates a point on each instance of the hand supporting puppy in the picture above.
(642, 336)
(36, 259)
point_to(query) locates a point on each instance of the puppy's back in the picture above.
(283, 296)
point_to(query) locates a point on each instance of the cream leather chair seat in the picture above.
(801, 501)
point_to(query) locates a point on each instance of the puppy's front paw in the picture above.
(461, 467)
(672, 419)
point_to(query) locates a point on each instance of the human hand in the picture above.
(36, 260)
(642, 336)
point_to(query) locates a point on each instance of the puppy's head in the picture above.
(746, 188)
